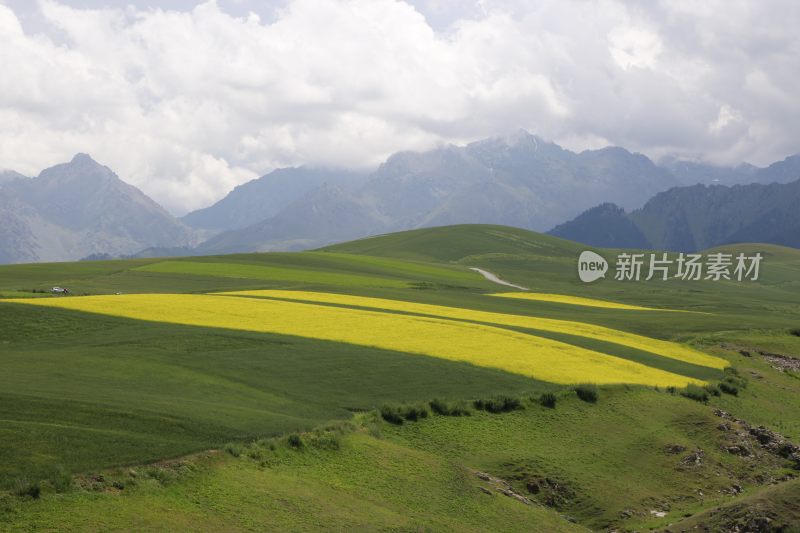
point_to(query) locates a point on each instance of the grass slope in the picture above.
(299, 491)
(87, 392)
(572, 462)
(84, 391)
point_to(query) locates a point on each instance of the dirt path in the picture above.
(491, 277)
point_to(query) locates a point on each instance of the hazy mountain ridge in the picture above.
(263, 197)
(80, 208)
(692, 172)
(606, 225)
(518, 180)
(695, 218)
(10, 175)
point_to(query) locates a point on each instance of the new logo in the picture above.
(591, 266)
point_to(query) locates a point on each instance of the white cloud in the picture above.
(187, 104)
(634, 47)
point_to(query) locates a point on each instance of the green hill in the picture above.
(459, 243)
(109, 399)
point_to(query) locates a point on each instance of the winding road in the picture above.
(493, 278)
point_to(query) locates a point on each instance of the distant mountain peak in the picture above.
(80, 208)
(522, 136)
(81, 157)
(82, 162)
(10, 175)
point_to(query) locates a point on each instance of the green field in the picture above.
(87, 394)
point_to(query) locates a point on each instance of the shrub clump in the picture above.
(587, 392)
(163, 476)
(795, 332)
(295, 441)
(734, 378)
(23, 487)
(391, 414)
(396, 414)
(61, 480)
(548, 399)
(711, 389)
(696, 393)
(441, 407)
(733, 382)
(234, 448)
(414, 412)
(498, 404)
(325, 440)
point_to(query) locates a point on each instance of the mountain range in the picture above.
(689, 219)
(518, 180)
(82, 209)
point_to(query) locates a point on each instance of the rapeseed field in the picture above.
(573, 300)
(656, 346)
(477, 344)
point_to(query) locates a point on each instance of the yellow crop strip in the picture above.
(656, 346)
(572, 300)
(585, 302)
(480, 345)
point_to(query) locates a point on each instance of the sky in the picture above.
(186, 99)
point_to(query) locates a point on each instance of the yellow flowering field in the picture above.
(572, 300)
(656, 346)
(481, 345)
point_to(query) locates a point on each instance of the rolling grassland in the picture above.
(245, 392)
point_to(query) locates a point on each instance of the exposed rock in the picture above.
(768, 440)
(674, 449)
(739, 450)
(501, 486)
(782, 363)
(694, 459)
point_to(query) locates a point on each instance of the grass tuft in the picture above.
(587, 392)
(295, 440)
(61, 480)
(24, 487)
(391, 414)
(548, 399)
(234, 448)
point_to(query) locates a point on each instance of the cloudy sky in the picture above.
(187, 99)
